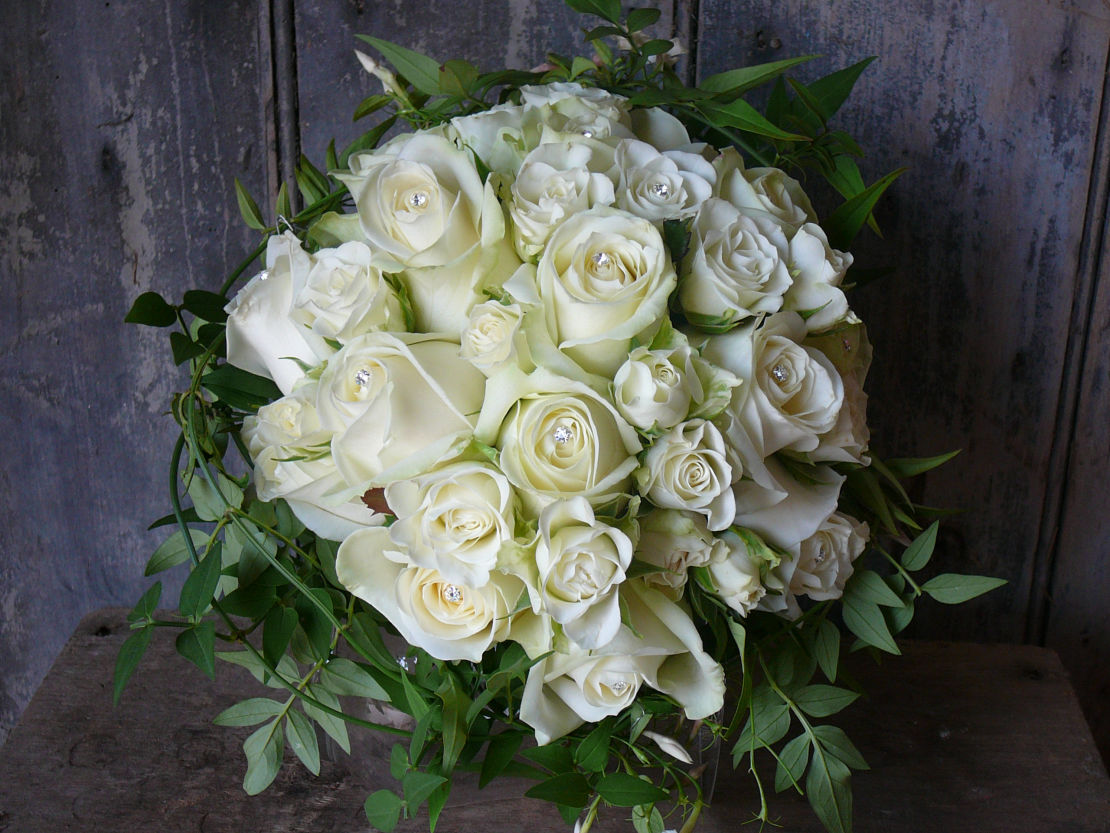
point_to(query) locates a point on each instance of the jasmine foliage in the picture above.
(262, 592)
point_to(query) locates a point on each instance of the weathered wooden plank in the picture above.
(1078, 623)
(961, 738)
(491, 33)
(121, 126)
(993, 106)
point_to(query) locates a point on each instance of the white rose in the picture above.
(423, 205)
(818, 270)
(792, 393)
(687, 468)
(734, 268)
(262, 336)
(604, 279)
(566, 690)
(661, 186)
(823, 563)
(559, 439)
(736, 576)
(292, 460)
(556, 181)
(345, 295)
(398, 404)
(454, 519)
(663, 131)
(768, 190)
(581, 564)
(651, 390)
(849, 350)
(782, 509)
(500, 136)
(447, 619)
(569, 108)
(675, 541)
(493, 337)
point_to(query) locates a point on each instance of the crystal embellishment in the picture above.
(822, 554)
(778, 372)
(418, 199)
(601, 259)
(661, 190)
(619, 686)
(362, 378)
(589, 134)
(562, 434)
(452, 593)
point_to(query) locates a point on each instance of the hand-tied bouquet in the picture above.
(567, 394)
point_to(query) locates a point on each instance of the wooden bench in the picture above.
(961, 737)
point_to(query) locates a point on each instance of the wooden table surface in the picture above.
(961, 737)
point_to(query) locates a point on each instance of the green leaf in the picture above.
(457, 78)
(624, 790)
(865, 620)
(335, 727)
(152, 310)
(436, 802)
(317, 628)
(366, 141)
(301, 738)
(920, 550)
(206, 305)
(792, 763)
(418, 786)
(173, 551)
(952, 588)
(197, 644)
(419, 70)
(383, 810)
(240, 389)
(844, 224)
(277, 630)
(252, 215)
(147, 604)
(605, 9)
(200, 585)
(833, 90)
(810, 101)
(826, 648)
(571, 789)
(263, 749)
(344, 677)
(248, 712)
(455, 704)
(555, 757)
(592, 754)
(743, 116)
(283, 207)
(639, 19)
(737, 81)
(184, 348)
(913, 466)
(836, 743)
(368, 106)
(869, 586)
(828, 788)
(500, 750)
(823, 700)
(212, 501)
(130, 653)
(656, 47)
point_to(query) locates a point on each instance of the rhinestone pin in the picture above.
(562, 434)
(661, 190)
(362, 378)
(619, 686)
(589, 134)
(822, 554)
(779, 373)
(418, 199)
(601, 259)
(452, 593)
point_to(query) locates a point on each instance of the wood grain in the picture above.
(962, 738)
(993, 106)
(122, 125)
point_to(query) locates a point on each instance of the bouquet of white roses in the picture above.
(569, 399)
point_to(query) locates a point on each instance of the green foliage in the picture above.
(267, 586)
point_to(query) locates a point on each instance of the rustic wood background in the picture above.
(122, 124)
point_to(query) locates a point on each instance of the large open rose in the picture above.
(398, 403)
(447, 619)
(604, 279)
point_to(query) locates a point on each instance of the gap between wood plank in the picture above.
(286, 111)
(1088, 271)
